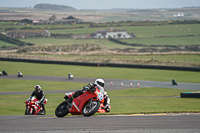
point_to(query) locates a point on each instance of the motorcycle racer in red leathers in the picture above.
(99, 83)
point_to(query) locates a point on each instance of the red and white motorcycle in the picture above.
(33, 108)
(86, 104)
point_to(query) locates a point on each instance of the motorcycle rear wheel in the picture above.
(62, 109)
(90, 110)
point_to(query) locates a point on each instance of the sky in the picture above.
(104, 4)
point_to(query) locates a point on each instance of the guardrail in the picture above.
(177, 68)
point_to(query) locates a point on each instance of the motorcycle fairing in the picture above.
(79, 102)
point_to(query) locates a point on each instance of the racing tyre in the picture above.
(62, 109)
(91, 109)
(27, 111)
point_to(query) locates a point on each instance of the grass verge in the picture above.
(130, 101)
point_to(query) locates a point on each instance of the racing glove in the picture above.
(92, 87)
(37, 102)
(88, 87)
(85, 88)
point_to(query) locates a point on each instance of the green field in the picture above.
(53, 41)
(139, 31)
(165, 41)
(179, 41)
(184, 34)
(142, 31)
(2, 43)
(105, 72)
(111, 45)
(126, 101)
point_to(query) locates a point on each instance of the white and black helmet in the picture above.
(37, 88)
(100, 82)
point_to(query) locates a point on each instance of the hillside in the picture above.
(53, 7)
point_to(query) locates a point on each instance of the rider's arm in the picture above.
(30, 98)
(33, 93)
(89, 87)
(42, 97)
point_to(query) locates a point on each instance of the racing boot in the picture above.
(106, 108)
(69, 101)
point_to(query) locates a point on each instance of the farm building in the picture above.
(52, 20)
(112, 33)
(25, 21)
(72, 20)
(28, 33)
(68, 20)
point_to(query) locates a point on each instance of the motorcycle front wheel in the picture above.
(27, 111)
(91, 108)
(62, 109)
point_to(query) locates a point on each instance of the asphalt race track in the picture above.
(156, 123)
(135, 123)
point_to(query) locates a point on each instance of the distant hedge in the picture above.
(14, 41)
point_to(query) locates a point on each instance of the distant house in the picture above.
(112, 33)
(28, 33)
(25, 21)
(73, 20)
(68, 20)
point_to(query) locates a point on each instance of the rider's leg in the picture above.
(42, 104)
(107, 103)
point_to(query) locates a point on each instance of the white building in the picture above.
(178, 15)
(111, 33)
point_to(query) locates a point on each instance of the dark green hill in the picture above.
(54, 7)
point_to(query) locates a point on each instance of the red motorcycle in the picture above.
(33, 108)
(86, 104)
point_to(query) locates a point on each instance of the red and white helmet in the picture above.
(37, 88)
